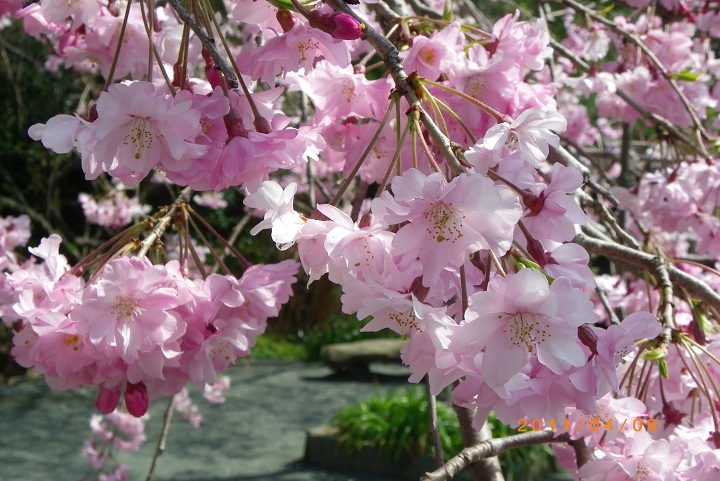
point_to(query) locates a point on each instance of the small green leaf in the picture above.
(686, 75)
(608, 9)
(448, 11)
(662, 367)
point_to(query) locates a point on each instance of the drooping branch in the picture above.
(490, 448)
(164, 222)
(207, 42)
(391, 57)
(695, 287)
(647, 52)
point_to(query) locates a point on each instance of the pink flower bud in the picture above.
(107, 400)
(136, 399)
(345, 27)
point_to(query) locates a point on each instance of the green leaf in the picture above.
(662, 367)
(686, 75)
(608, 9)
(448, 11)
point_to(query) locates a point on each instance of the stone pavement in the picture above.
(257, 435)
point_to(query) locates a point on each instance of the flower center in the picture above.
(445, 223)
(512, 142)
(427, 55)
(476, 86)
(141, 135)
(406, 320)
(125, 308)
(528, 330)
(72, 341)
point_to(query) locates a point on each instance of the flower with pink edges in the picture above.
(532, 133)
(523, 316)
(137, 128)
(447, 220)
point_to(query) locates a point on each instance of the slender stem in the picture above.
(499, 117)
(160, 449)
(235, 252)
(426, 149)
(207, 42)
(434, 432)
(338, 195)
(153, 51)
(111, 74)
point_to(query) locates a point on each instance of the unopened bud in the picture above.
(346, 27)
(418, 289)
(285, 19)
(588, 337)
(136, 399)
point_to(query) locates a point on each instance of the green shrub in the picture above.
(269, 346)
(398, 423)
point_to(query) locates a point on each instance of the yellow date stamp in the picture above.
(594, 424)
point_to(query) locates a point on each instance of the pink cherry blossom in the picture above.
(447, 221)
(521, 316)
(531, 133)
(137, 128)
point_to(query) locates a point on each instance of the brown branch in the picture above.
(695, 287)
(667, 303)
(207, 42)
(163, 438)
(391, 57)
(490, 448)
(164, 222)
(485, 468)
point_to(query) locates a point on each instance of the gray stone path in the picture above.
(257, 435)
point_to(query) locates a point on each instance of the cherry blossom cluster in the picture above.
(114, 210)
(138, 330)
(113, 432)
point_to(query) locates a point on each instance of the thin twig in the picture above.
(164, 222)
(207, 42)
(648, 53)
(391, 57)
(163, 438)
(434, 430)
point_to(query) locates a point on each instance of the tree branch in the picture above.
(490, 448)
(695, 287)
(207, 42)
(391, 58)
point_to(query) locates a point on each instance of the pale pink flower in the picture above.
(294, 50)
(641, 457)
(115, 210)
(126, 313)
(609, 347)
(521, 316)
(358, 252)
(137, 128)
(531, 133)
(435, 54)
(211, 200)
(554, 213)
(339, 92)
(447, 221)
